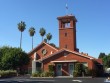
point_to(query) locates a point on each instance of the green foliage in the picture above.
(12, 58)
(102, 55)
(52, 44)
(50, 73)
(43, 74)
(78, 70)
(21, 26)
(42, 32)
(51, 68)
(45, 40)
(32, 31)
(7, 73)
(91, 72)
(76, 73)
(49, 37)
(37, 74)
(106, 59)
(87, 72)
(81, 70)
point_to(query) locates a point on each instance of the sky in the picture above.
(93, 26)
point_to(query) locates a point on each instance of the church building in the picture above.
(66, 56)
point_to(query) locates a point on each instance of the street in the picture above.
(52, 80)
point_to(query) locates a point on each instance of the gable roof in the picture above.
(40, 45)
(74, 52)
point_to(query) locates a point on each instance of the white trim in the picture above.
(68, 51)
(50, 55)
(64, 61)
(40, 45)
(80, 54)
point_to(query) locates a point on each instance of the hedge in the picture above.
(43, 74)
(7, 73)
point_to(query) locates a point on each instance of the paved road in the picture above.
(52, 80)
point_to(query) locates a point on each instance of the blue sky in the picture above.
(93, 26)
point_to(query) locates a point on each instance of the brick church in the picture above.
(66, 56)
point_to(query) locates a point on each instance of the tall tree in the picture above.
(21, 27)
(102, 55)
(106, 61)
(42, 32)
(12, 58)
(45, 40)
(32, 32)
(49, 37)
(52, 44)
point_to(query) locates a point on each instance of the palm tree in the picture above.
(21, 27)
(45, 40)
(32, 32)
(49, 37)
(42, 32)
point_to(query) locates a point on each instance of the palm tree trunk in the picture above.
(21, 40)
(32, 42)
(42, 38)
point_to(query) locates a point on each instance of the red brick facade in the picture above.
(67, 55)
(67, 32)
(39, 49)
(70, 56)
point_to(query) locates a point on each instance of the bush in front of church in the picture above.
(78, 70)
(49, 73)
(43, 74)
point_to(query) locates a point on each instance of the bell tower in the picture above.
(67, 32)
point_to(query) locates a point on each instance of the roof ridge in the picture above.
(66, 50)
(41, 44)
(50, 46)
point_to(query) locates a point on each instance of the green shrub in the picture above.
(35, 75)
(76, 74)
(51, 74)
(8, 73)
(78, 70)
(43, 74)
(88, 72)
(91, 72)
(40, 73)
(51, 68)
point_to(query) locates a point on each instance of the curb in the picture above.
(61, 77)
(42, 77)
